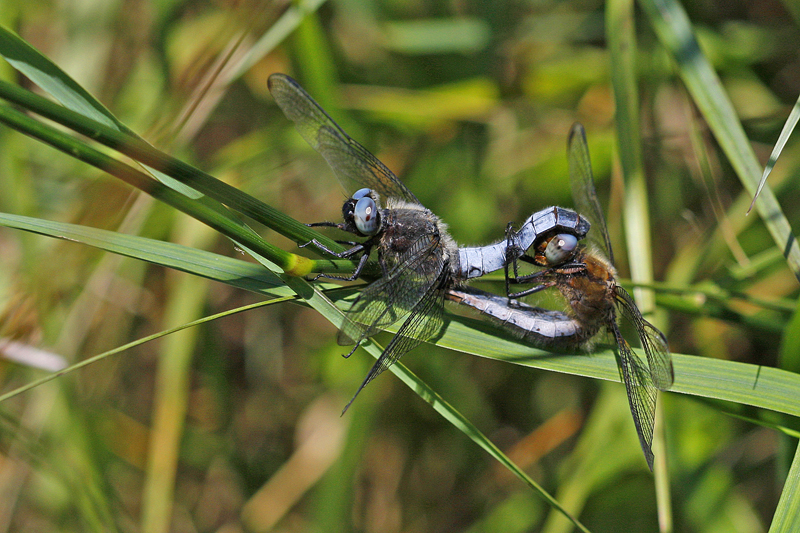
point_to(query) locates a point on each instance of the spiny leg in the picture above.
(356, 273)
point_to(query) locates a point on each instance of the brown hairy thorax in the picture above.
(587, 281)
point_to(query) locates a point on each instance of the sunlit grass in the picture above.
(198, 431)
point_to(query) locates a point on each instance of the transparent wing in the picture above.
(653, 341)
(353, 164)
(423, 324)
(641, 393)
(583, 191)
(393, 296)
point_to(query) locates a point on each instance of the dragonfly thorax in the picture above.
(588, 282)
(406, 226)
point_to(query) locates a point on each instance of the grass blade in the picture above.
(52, 79)
(787, 516)
(63, 88)
(674, 30)
(246, 275)
(621, 35)
(747, 384)
(787, 130)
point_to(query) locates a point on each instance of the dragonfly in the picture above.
(418, 258)
(586, 277)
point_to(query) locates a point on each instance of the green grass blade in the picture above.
(63, 88)
(206, 210)
(248, 276)
(234, 272)
(621, 35)
(139, 150)
(787, 516)
(52, 79)
(674, 31)
(743, 383)
(622, 43)
(786, 131)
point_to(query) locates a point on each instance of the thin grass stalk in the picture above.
(787, 515)
(674, 31)
(621, 33)
(207, 212)
(186, 300)
(144, 153)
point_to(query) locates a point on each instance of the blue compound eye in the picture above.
(365, 215)
(560, 248)
(360, 193)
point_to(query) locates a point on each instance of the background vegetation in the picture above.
(234, 425)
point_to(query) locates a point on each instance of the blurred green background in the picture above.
(470, 104)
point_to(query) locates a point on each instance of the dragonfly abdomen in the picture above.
(475, 261)
(540, 327)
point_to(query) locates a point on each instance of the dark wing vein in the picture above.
(653, 341)
(584, 193)
(353, 164)
(641, 394)
(356, 167)
(424, 323)
(393, 296)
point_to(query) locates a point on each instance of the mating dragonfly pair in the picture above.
(422, 266)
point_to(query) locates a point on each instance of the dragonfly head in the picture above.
(555, 250)
(560, 248)
(361, 210)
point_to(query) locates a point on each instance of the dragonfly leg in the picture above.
(513, 252)
(341, 255)
(355, 246)
(325, 225)
(527, 277)
(346, 355)
(513, 249)
(516, 278)
(526, 292)
(544, 279)
(549, 277)
(384, 266)
(509, 278)
(356, 273)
